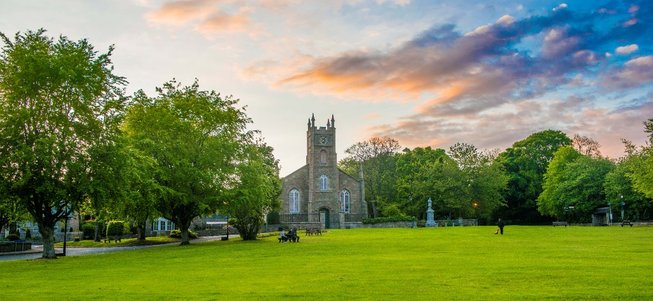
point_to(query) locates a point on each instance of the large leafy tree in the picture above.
(52, 94)
(255, 189)
(642, 176)
(619, 188)
(573, 185)
(375, 161)
(525, 164)
(483, 180)
(194, 137)
(424, 173)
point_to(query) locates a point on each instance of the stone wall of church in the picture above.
(296, 180)
(353, 186)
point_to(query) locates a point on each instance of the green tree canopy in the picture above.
(424, 173)
(52, 97)
(254, 191)
(194, 137)
(573, 185)
(525, 164)
(375, 160)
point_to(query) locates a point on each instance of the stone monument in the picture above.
(430, 222)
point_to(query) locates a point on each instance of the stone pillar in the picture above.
(430, 213)
(342, 220)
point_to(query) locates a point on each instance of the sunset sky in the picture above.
(427, 73)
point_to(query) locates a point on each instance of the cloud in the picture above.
(627, 49)
(497, 83)
(635, 72)
(182, 11)
(223, 22)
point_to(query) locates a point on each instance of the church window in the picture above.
(324, 183)
(294, 201)
(345, 201)
(323, 157)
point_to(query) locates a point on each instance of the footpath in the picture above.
(37, 250)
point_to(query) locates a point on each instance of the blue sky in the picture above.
(428, 73)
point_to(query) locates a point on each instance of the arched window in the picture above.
(324, 183)
(345, 201)
(323, 157)
(293, 198)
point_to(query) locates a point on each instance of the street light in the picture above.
(623, 205)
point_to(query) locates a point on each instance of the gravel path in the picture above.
(37, 250)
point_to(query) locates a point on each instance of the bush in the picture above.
(13, 236)
(389, 219)
(28, 234)
(115, 228)
(392, 210)
(177, 234)
(88, 231)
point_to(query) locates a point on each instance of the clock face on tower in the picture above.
(323, 140)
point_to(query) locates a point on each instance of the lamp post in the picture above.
(623, 206)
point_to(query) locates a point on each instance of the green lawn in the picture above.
(127, 242)
(572, 263)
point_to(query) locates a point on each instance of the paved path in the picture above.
(37, 250)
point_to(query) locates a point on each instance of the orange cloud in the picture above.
(220, 22)
(182, 11)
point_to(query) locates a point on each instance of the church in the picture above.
(319, 194)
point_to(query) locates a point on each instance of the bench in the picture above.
(313, 231)
(626, 222)
(560, 224)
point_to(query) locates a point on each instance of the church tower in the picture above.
(322, 163)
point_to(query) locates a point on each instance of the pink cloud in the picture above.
(627, 49)
(635, 72)
(222, 22)
(182, 11)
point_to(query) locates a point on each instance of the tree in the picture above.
(525, 164)
(424, 173)
(619, 188)
(586, 146)
(51, 97)
(375, 159)
(255, 191)
(573, 185)
(484, 178)
(642, 164)
(194, 137)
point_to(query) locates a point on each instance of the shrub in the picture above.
(28, 234)
(88, 230)
(115, 228)
(389, 219)
(177, 234)
(13, 236)
(392, 210)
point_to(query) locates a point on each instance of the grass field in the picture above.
(127, 242)
(471, 263)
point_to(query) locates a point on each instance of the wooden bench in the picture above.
(626, 222)
(560, 224)
(313, 231)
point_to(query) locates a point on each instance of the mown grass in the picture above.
(471, 263)
(127, 242)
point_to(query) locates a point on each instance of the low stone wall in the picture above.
(390, 225)
(13, 246)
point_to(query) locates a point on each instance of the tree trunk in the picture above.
(97, 231)
(140, 229)
(47, 234)
(184, 235)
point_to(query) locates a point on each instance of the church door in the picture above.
(324, 218)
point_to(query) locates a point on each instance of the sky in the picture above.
(427, 73)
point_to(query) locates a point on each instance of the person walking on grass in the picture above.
(500, 229)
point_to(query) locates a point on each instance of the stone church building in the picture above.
(319, 194)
